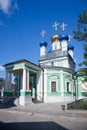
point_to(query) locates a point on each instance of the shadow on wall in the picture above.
(31, 126)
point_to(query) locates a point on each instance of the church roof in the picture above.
(20, 61)
(56, 54)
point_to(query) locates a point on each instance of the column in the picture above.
(10, 80)
(62, 83)
(45, 86)
(25, 95)
(27, 80)
(6, 81)
(24, 79)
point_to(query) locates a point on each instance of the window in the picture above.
(53, 83)
(53, 86)
(52, 63)
(68, 87)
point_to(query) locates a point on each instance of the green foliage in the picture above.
(80, 34)
(81, 105)
(84, 63)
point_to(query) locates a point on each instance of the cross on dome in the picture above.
(43, 33)
(63, 26)
(55, 26)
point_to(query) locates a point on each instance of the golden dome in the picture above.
(54, 37)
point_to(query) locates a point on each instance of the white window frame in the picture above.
(54, 79)
(68, 80)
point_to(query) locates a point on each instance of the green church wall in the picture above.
(51, 73)
(57, 73)
(18, 86)
(25, 93)
(9, 94)
(65, 76)
(79, 87)
(84, 94)
(68, 94)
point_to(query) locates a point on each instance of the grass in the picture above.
(81, 105)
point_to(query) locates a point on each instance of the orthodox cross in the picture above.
(55, 26)
(70, 37)
(63, 26)
(43, 33)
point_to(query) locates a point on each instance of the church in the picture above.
(53, 80)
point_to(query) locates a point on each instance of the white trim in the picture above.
(27, 80)
(62, 83)
(24, 79)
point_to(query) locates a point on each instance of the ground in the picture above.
(43, 116)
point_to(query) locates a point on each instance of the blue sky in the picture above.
(21, 22)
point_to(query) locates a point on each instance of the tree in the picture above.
(81, 35)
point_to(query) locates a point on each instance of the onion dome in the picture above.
(54, 37)
(43, 43)
(64, 37)
(70, 47)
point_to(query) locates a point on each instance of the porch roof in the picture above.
(20, 61)
(17, 66)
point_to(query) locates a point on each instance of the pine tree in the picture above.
(81, 35)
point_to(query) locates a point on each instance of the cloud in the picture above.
(2, 68)
(6, 6)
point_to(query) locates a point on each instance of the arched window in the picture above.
(53, 84)
(68, 84)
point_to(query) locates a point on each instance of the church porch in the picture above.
(26, 80)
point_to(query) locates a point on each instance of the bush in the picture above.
(81, 105)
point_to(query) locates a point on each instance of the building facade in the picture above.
(53, 80)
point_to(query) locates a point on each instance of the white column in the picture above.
(27, 80)
(10, 80)
(45, 86)
(24, 79)
(40, 85)
(62, 83)
(6, 81)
